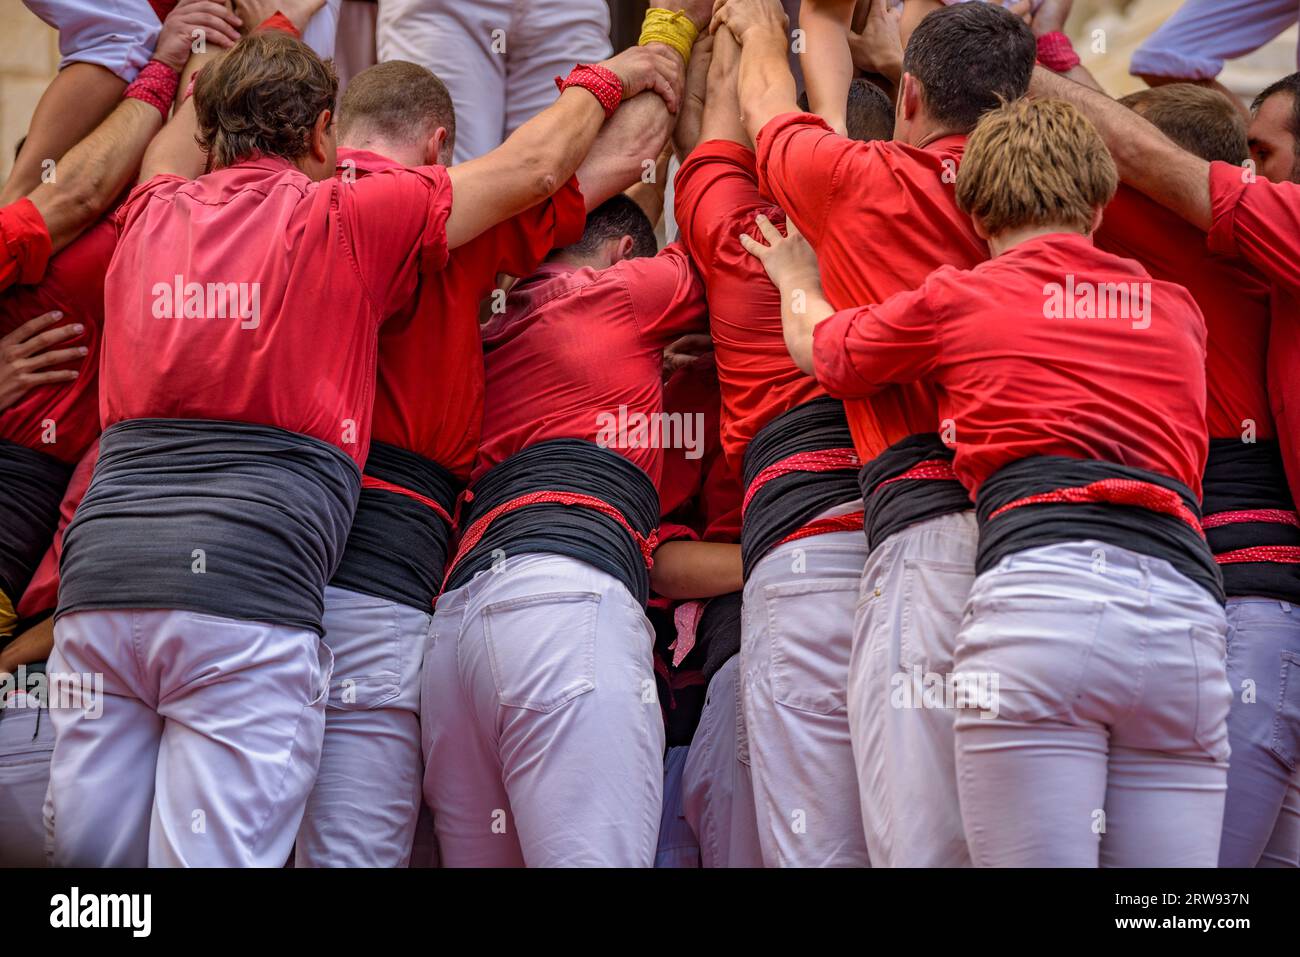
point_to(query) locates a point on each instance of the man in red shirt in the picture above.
(800, 439)
(1090, 666)
(882, 216)
(230, 463)
(542, 732)
(1258, 220)
(378, 606)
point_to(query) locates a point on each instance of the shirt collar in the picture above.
(366, 161)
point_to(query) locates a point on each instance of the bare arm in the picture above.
(686, 134)
(766, 86)
(721, 120)
(77, 100)
(826, 59)
(33, 645)
(1147, 159)
(649, 193)
(541, 155)
(686, 570)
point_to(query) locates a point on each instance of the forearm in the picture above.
(77, 100)
(33, 645)
(686, 570)
(1146, 158)
(96, 170)
(176, 150)
(803, 306)
(636, 133)
(766, 86)
(914, 11)
(826, 58)
(721, 119)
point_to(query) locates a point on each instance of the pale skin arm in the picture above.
(721, 120)
(686, 134)
(1050, 18)
(686, 570)
(1147, 159)
(34, 644)
(541, 155)
(766, 86)
(876, 42)
(96, 170)
(649, 195)
(792, 266)
(826, 60)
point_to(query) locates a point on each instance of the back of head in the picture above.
(1201, 120)
(396, 102)
(870, 114)
(1035, 163)
(969, 58)
(262, 99)
(613, 219)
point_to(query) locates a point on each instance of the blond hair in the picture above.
(1035, 163)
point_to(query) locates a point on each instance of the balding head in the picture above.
(397, 109)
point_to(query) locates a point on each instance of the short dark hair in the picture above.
(615, 218)
(970, 58)
(1198, 118)
(1288, 84)
(870, 114)
(262, 97)
(398, 100)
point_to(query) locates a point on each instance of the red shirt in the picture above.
(882, 216)
(42, 592)
(429, 396)
(578, 353)
(315, 268)
(25, 244)
(1018, 383)
(1260, 221)
(62, 419)
(699, 492)
(1233, 297)
(717, 199)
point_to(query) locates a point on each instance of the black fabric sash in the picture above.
(230, 519)
(1137, 529)
(901, 504)
(1243, 477)
(719, 632)
(789, 502)
(31, 487)
(398, 547)
(564, 465)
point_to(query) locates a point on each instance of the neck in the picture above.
(1011, 238)
(402, 154)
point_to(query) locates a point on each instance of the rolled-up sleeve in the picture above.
(1258, 221)
(25, 245)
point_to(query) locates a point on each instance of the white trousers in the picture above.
(543, 739)
(677, 844)
(499, 58)
(796, 635)
(201, 748)
(717, 792)
(913, 592)
(1105, 738)
(364, 806)
(26, 743)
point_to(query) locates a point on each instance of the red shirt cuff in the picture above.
(570, 213)
(771, 132)
(1227, 188)
(278, 21)
(26, 240)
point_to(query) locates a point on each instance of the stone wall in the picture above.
(29, 57)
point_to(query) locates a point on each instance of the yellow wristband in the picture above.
(674, 29)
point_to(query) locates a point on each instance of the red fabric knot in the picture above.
(599, 81)
(1115, 491)
(686, 618)
(819, 460)
(369, 481)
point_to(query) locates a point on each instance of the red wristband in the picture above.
(156, 85)
(1056, 52)
(599, 81)
(278, 21)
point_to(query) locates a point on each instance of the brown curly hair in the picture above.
(262, 98)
